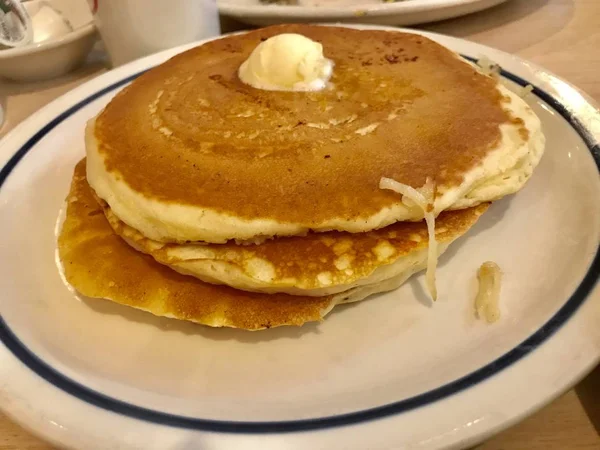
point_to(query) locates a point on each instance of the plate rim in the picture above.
(589, 138)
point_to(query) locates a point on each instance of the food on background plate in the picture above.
(252, 203)
(326, 3)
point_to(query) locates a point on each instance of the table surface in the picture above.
(561, 35)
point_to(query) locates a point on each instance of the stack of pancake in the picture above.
(205, 199)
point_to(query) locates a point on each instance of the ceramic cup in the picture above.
(131, 29)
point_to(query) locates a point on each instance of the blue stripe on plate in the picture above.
(111, 404)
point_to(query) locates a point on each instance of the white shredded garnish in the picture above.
(423, 198)
(524, 91)
(489, 67)
(492, 69)
(488, 296)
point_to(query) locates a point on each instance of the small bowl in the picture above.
(53, 57)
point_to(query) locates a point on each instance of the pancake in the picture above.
(316, 264)
(98, 263)
(189, 153)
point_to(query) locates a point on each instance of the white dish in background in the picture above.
(91, 374)
(55, 56)
(407, 12)
(131, 29)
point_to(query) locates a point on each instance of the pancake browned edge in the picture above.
(188, 152)
(98, 263)
(317, 264)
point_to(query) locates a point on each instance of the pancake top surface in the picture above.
(190, 132)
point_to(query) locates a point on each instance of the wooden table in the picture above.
(561, 35)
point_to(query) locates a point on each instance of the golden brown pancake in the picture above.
(98, 263)
(316, 264)
(205, 157)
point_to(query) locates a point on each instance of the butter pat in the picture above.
(287, 62)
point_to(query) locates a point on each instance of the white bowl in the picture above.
(54, 57)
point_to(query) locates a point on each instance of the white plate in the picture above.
(390, 372)
(408, 12)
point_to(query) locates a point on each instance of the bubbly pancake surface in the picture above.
(316, 264)
(205, 157)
